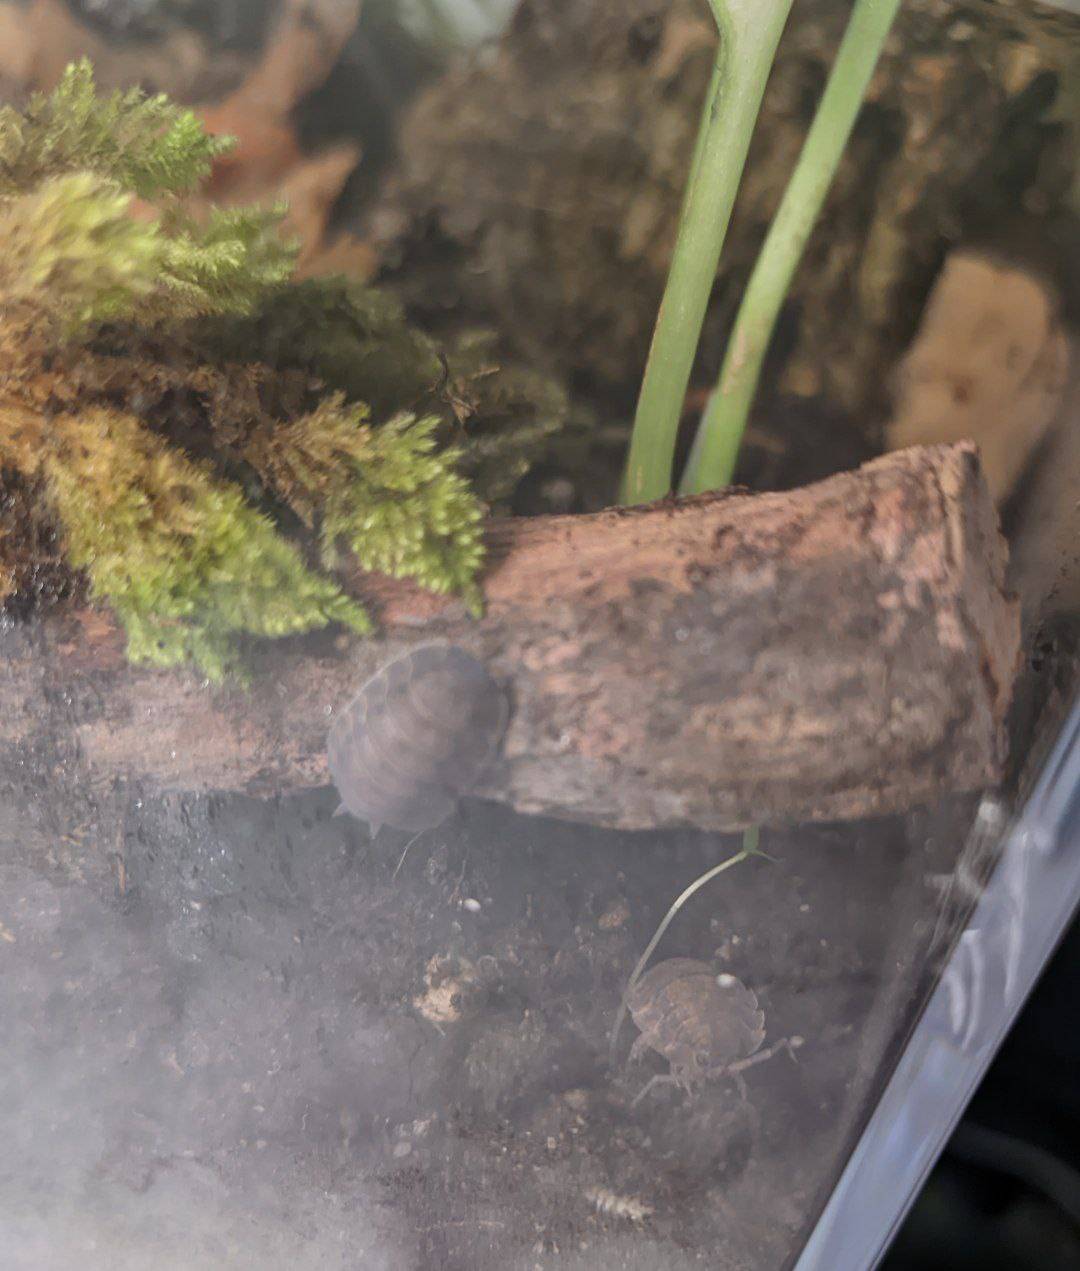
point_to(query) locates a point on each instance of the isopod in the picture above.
(612, 1205)
(417, 736)
(705, 1025)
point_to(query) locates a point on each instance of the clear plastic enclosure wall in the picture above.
(240, 1031)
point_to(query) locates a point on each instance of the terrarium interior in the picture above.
(248, 455)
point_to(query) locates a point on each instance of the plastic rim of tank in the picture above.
(1020, 918)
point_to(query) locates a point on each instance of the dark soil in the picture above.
(227, 1049)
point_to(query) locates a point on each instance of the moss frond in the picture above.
(70, 166)
(224, 266)
(72, 250)
(186, 563)
(144, 144)
(387, 493)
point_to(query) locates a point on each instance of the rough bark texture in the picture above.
(843, 650)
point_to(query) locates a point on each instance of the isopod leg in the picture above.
(790, 1044)
(661, 1079)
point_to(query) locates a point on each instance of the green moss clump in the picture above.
(142, 144)
(186, 564)
(498, 416)
(224, 266)
(72, 248)
(385, 493)
(97, 326)
(71, 166)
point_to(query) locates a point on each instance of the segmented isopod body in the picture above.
(701, 1022)
(612, 1205)
(417, 736)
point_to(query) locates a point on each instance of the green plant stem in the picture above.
(749, 33)
(751, 838)
(712, 459)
